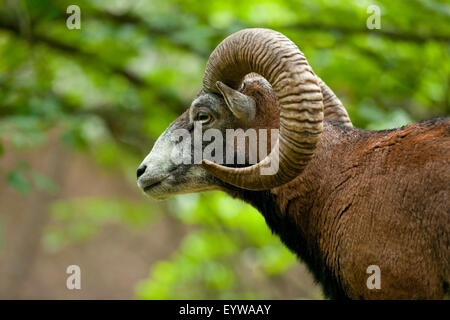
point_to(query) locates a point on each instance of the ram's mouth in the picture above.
(154, 184)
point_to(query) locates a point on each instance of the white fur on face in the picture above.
(158, 162)
(167, 174)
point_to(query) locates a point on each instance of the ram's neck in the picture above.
(290, 210)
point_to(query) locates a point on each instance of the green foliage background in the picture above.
(112, 87)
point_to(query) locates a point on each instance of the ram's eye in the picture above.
(203, 117)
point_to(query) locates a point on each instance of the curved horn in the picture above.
(332, 106)
(275, 57)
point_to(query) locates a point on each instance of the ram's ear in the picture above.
(241, 105)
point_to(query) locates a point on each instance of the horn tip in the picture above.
(208, 164)
(219, 84)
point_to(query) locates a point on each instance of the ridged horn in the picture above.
(333, 109)
(276, 58)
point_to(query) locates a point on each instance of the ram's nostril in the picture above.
(141, 170)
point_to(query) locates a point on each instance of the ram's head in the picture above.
(255, 79)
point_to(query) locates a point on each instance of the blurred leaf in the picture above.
(17, 180)
(44, 183)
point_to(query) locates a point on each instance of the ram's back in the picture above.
(396, 210)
